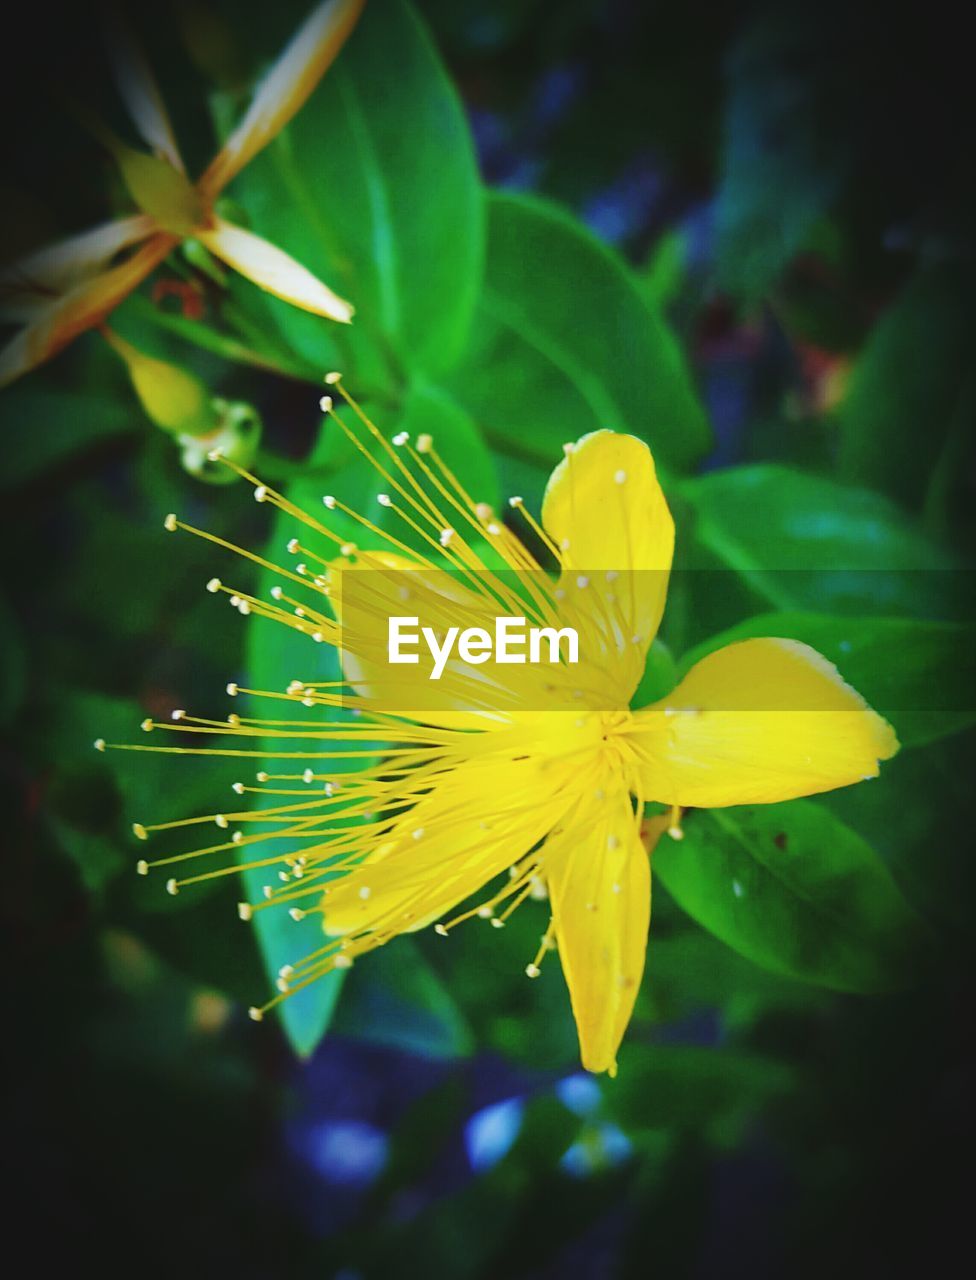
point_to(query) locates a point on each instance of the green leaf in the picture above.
(664, 273)
(45, 428)
(565, 344)
(658, 678)
(918, 817)
(394, 997)
(692, 971)
(375, 189)
(712, 1091)
(792, 888)
(431, 409)
(906, 385)
(921, 676)
(806, 542)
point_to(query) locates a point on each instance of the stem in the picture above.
(220, 344)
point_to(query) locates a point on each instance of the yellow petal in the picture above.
(476, 822)
(81, 308)
(604, 510)
(273, 269)
(140, 92)
(35, 281)
(368, 593)
(285, 89)
(757, 722)
(600, 886)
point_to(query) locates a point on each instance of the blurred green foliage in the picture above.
(836, 508)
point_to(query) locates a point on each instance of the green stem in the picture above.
(221, 344)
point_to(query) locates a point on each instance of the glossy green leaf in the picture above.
(374, 187)
(793, 889)
(806, 542)
(565, 343)
(921, 676)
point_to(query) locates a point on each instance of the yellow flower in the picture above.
(532, 776)
(59, 292)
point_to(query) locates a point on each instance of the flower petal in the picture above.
(604, 510)
(36, 280)
(757, 722)
(81, 308)
(273, 269)
(600, 885)
(368, 593)
(285, 89)
(140, 93)
(480, 818)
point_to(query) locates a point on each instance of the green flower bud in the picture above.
(235, 439)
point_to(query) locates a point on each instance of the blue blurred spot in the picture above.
(489, 1134)
(555, 93)
(579, 1093)
(601, 1147)
(623, 208)
(346, 1152)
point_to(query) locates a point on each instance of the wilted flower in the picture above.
(536, 777)
(59, 292)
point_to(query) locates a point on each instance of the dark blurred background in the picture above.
(780, 176)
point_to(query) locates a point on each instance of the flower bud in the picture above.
(173, 398)
(236, 439)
